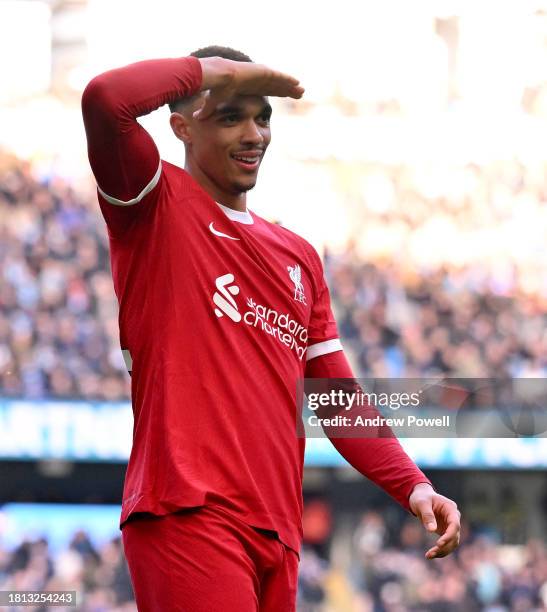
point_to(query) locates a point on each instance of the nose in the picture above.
(252, 133)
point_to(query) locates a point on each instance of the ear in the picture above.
(181, 127)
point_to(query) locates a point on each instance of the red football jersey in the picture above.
(219, 311)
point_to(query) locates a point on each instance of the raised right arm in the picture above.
(122, 154)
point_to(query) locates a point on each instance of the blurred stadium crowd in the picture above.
(446, 273)
(58, 311)
(388, 573)
(99, 575)
(446, 321)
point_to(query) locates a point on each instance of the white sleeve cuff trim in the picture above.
(141, 195)
(323, 348)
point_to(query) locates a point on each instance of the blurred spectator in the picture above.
(311, 581)
(317, 525)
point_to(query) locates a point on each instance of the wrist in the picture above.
(420, 487)
(426, 486)
(216, 72)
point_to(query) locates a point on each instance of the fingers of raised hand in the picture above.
(287, 84)
(210, 101)
(263, 81)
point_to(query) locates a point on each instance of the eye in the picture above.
(265, 119)
(230, 118)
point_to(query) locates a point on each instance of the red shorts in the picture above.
(206, 560)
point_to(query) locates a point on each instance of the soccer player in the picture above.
(221, 312)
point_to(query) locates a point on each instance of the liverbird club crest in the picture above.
(295, 274)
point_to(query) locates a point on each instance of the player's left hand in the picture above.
(439, 514)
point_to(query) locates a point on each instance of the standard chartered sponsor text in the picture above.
(288, 331)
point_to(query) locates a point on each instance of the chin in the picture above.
(242, 187)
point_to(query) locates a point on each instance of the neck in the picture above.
(236, 201)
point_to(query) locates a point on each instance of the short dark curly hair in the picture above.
(212, 51)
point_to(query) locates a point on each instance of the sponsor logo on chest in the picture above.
(281, 326)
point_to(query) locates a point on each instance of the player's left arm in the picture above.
(384, 461)
(381, 458)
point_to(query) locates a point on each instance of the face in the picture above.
(229, 145)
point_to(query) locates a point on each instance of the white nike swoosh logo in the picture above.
(217, 233)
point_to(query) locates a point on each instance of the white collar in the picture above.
(244, 217)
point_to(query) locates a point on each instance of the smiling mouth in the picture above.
(246, 162)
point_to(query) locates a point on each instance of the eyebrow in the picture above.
(234, 109)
